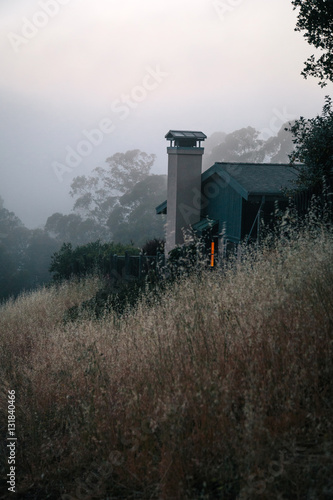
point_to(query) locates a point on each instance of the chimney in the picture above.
(184, 184)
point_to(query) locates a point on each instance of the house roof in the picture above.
(250, 179)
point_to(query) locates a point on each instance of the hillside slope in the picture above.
(221, 389)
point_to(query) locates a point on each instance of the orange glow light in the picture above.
(212, 254)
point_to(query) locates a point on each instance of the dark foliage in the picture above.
(86, 259)
(118, 201)
(116, 297)
(24, 256)
(152, 247)
(313, 147)
(315, 19)
(119, 296)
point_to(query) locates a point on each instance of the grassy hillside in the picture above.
(221, 389)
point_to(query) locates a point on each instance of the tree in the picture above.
(315, 18)
(72, 228)
(86, 259)
(97, 195)
(8, 270)
(313, 147)
(276, 149)
(24, 255)
(121, 198)
(245, 145)
(135, 217)
(212, 142)
(14, 236)
(242, 145)
(37, 257)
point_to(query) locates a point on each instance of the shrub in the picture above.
(152, 247)
(86, 259)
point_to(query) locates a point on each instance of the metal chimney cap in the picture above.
(185, 134)
(185, 138)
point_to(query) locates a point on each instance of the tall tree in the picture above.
(315, 19)
(242, 145)
(313, 147)
(97, 195)
(212, 142)
(72, 228)
(135, 219)
(121, 198)
(24, 255)
(245, 145)
(276, 149)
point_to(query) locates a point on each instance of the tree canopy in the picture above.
(72, 228)
(135, 218)
(315, 19)
(245, 145)
(24, 255)
(97, 195)
(313, 147)
(118, 200)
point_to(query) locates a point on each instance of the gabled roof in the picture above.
(185, 134)
(250, 179)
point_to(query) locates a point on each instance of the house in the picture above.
(227, 202)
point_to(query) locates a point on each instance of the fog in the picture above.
(82, 80)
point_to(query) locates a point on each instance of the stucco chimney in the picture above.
(184, 184)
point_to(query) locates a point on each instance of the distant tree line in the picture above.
(115, 203)
(247, 145)
(24, 255)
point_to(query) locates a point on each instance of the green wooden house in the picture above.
(227, 202)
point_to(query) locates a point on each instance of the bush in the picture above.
(86, 259)
(153, 247)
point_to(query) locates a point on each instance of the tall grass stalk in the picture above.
(222, 388)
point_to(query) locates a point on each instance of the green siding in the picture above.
(221, 202)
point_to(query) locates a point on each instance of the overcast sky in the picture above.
(81, 80)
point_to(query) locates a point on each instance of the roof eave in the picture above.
(162, 208)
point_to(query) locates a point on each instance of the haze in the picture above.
(133, 70)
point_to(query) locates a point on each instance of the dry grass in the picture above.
(221, 389)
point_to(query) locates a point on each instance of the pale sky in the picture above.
(98, 77)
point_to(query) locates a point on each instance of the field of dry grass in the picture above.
(220, 389)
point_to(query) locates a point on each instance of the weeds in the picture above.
(221, 387)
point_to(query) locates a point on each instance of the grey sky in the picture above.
(133, 70)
